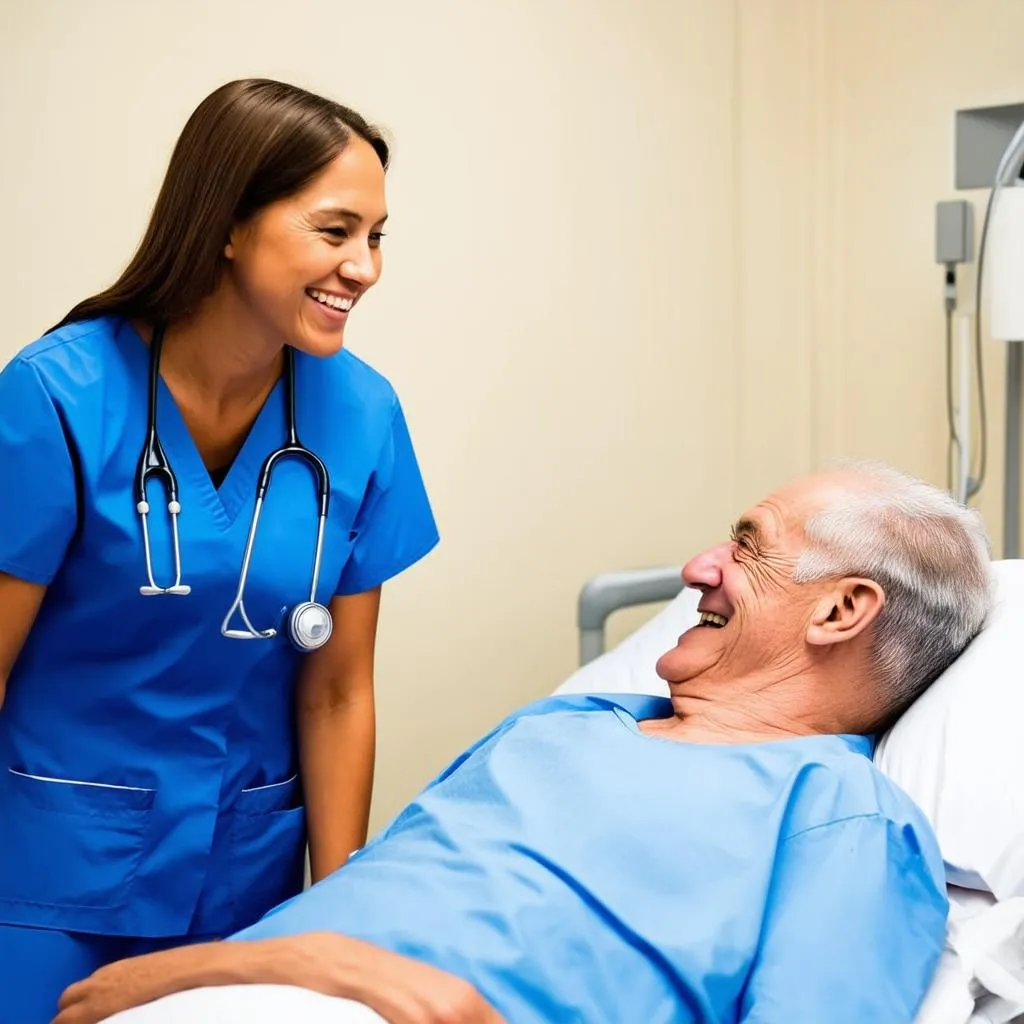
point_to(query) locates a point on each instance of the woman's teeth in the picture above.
(334, 301)
(712, 619)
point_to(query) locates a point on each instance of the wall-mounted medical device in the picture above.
(990, 154)
(954, 244)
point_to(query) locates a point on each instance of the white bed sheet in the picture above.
(249, 1004)
(980, 980)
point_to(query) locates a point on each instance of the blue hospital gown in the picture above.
(576, 869)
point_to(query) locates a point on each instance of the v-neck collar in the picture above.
(238, 488)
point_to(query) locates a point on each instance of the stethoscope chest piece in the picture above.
(309, 626)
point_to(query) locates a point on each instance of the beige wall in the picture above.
(845, 144)
(646, 260)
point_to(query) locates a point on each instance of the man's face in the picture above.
(754, 616)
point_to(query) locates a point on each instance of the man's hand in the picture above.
(122, 985)
(400, 989)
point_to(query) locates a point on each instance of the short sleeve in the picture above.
(854, 927)
(395, 525)
(38, 509)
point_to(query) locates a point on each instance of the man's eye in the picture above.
(743, 543)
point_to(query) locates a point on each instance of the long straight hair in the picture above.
(248, 144)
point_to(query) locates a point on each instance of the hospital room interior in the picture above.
(646, 261)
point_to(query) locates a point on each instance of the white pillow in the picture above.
(958, 752)
(629, 667)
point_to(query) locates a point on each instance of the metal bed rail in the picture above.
(609, 591)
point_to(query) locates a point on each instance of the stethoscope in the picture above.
(309, 624)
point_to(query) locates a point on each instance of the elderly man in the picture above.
(728, 854)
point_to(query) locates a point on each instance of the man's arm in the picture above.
(401, 990)
(854, 928)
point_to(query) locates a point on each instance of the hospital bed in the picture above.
(959, 752)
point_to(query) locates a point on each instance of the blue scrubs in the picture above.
(575, 869)
(148, 765)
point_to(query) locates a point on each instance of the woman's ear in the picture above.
(845, 611)
(236, 239)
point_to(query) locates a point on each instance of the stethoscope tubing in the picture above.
(153, 463)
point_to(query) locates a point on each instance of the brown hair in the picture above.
(248, 144)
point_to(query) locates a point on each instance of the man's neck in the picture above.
(727, 714)
(723, 725)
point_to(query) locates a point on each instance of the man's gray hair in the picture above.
(928, 552)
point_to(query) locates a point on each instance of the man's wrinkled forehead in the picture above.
(779, 519)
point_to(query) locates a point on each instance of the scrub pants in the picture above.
(37, 964)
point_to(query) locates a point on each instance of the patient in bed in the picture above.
(727, 854)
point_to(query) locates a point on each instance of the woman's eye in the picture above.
(342, 233)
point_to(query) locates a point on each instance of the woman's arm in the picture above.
(19, 605)
(337, 733)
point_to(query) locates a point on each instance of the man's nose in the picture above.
(704, 571)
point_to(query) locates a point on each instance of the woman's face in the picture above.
(300, 264)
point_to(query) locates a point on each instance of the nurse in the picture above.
(185, 699)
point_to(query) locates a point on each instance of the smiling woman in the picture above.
(288, 258)
(178, 772)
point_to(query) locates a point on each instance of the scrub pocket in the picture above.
(268, 839)
(66, 843)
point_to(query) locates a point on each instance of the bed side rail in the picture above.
(609, 591)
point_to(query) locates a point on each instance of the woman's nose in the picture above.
(362, 267)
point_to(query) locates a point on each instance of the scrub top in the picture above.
(148, 765)
(574, 868)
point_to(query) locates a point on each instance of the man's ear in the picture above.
(845, 611)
